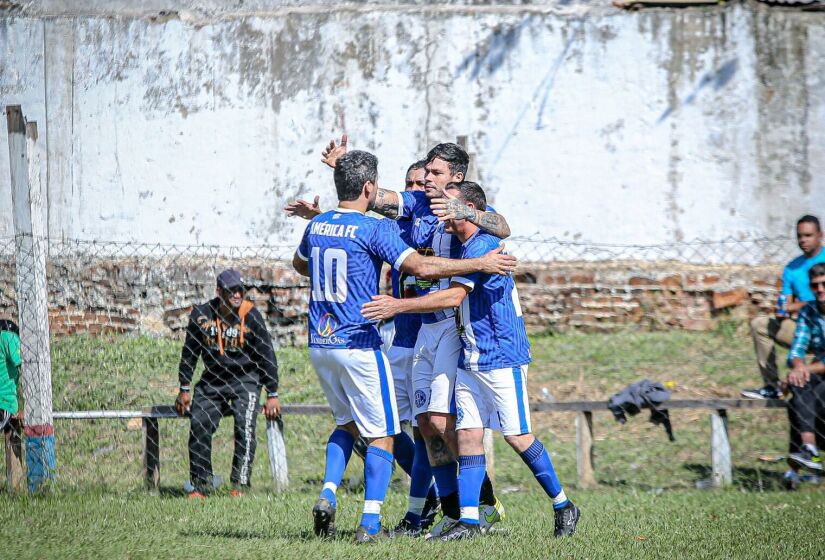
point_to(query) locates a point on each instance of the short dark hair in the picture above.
(9, 325)
(470, 192)
(808, 219)
(352, 170)
(455, 156)
(816, 270)
(420, 164)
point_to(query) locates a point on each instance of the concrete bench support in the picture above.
(720, 457)
(151, 453)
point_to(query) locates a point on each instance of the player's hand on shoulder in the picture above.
(303, 209)
(272, 408)
(496, 262)
(334, 151)
(380, 308)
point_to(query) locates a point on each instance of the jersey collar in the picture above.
(347, 210)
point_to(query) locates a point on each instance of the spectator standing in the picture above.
(9, 372)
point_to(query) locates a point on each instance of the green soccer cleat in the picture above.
(490, 515)
(362, 536)
(441, 527)
(461, 532)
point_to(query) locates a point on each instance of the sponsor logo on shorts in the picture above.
(326, 327)
(420, 398)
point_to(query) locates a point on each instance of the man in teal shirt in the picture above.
(9, 371)
(769, 331)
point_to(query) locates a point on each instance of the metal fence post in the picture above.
(32, 294)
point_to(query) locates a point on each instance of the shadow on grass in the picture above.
(747, 478)
(247, 534)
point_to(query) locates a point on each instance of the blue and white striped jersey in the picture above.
(489, 320)
(345, 250)
(407, 325)
(429, 236)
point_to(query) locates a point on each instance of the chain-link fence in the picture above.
(122, 315)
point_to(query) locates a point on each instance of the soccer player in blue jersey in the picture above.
(491, 388)
(437, 347)
(342, 252)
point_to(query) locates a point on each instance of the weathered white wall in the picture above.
(596, 124)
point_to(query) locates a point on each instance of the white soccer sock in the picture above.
(470, 513)
(560, 499)
(331, 486)
(372, 506)
(416, 505)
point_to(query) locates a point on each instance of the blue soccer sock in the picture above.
(404, 451)
(421, 485)
(471, 472)
(339, 450)
(537, 458)
(377, 474)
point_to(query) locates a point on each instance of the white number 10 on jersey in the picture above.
(334, 259)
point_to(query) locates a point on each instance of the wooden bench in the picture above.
(721, 464)
(720, 456)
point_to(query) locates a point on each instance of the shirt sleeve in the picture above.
(407, 202)
(263, 353)
(801, 336)
(303, 247)
(192, 347)
(787, 287)
(14, 350)
(386, 243)
(478, 249)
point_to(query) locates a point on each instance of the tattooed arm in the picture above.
(450, 208)
(386, 203)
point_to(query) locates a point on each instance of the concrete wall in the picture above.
(589, 123)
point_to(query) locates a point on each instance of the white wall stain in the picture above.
(603, 126)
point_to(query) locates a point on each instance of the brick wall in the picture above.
(154, 295)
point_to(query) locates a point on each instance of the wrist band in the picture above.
(184, 388)
(272, 395)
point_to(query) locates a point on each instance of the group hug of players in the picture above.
(459, 357)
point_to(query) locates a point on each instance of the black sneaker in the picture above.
(460, 532)
(406, 528)
(566, 520)
(807, 458)
(362, 536)
(324, 516)
(431, 508)
(765, 393)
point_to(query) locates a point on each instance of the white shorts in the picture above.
(494, 399)
(434, 367)
(401, 360)
(359, 387)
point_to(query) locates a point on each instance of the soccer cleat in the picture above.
(405, 528)
(490, 515)
(791, 480)
(566, 519)
(765, 393)
(441, 527)
(460, 532)
(807, 458)
(323, 515)
(195, 495)
(431, 507)
(362, 536)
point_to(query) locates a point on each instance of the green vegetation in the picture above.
(645, 506)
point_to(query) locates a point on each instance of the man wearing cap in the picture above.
(229, 334)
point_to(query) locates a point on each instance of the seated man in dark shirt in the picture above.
(231, 338)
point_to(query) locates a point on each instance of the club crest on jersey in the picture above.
(420, 398)
(327, 325)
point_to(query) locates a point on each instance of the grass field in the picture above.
(645, 506)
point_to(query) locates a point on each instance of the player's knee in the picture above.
(425, 428)
(520, 442)
(439, 424)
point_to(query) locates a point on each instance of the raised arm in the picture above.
(494, 262)
(450, 208)
(386, 203)
(300, 264)
(385, 307)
